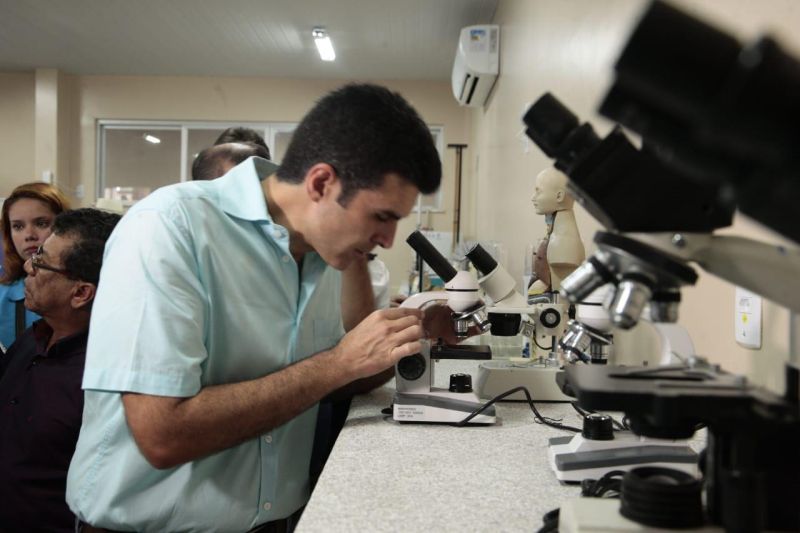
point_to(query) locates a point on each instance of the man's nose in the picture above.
(385, 237)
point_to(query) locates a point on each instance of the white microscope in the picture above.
(417, 399)
(510, 314)
(542, 314)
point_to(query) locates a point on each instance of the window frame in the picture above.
(269, 130)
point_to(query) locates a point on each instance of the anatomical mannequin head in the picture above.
(550, 192)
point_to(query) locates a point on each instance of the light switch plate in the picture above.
(747, 311)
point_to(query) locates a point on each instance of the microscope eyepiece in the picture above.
(558, 133)
(484, 262)
(431, 256)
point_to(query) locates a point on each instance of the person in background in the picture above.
(379, 277)
(40, 388)
(2, 254)
(217, 160)
(27, 217)
(240, 134)
(219, 326)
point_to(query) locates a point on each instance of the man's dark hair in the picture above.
(239, 134)
(210, 162)
(364, 132)
(90, 228)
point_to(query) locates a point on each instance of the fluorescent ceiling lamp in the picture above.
(324, 44)
(151, 138)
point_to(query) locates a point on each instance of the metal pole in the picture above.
(457, 208)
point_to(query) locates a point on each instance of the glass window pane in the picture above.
(433, 202)
(282, 140)
(133, 161)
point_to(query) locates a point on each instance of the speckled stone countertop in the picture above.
(385, 476)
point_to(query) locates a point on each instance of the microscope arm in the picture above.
(766, 269)
(423, 299)
(676, 345)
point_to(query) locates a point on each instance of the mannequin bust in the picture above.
(561, 250)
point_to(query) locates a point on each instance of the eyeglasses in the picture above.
(36, 264)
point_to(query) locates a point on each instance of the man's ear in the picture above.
(82, 294)
(319, 181)
(560, 195)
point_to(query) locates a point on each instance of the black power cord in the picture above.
(552, 422)
(608, 486)
(619, 426)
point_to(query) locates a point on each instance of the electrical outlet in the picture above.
(747, 311)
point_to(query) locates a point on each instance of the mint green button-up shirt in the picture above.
(198, 288)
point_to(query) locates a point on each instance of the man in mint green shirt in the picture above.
(217, 325)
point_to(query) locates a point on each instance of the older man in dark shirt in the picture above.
(41, 401)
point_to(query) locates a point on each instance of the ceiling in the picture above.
(373, 39)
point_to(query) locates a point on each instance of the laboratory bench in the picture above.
(386, 476)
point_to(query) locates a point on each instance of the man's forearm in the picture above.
(363, 385)
(171, 431)
(174, 431)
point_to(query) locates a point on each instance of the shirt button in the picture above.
(277, 234)
(285, 258)
(267, 506)
(268, 439)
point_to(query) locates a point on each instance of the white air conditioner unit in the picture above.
(477, 64)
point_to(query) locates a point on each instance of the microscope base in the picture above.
(577, 458)
(592, 515)
(497, 377)
(439, 405)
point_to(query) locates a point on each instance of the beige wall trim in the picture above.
(46, 124)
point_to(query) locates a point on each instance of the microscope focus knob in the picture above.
(597, 427)
(411, 367)
(460, 383)
(550, 318)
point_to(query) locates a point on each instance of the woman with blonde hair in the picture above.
(27, 219)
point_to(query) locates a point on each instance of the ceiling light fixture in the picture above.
(324, 44)
(151, 138)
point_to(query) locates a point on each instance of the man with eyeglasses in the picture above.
(40, 375)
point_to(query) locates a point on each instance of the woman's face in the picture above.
(31, 223)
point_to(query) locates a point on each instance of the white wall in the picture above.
(568, 48)
(16, 130)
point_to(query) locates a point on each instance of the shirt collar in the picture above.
(62, 347)
(16, 290)
(240, 192)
